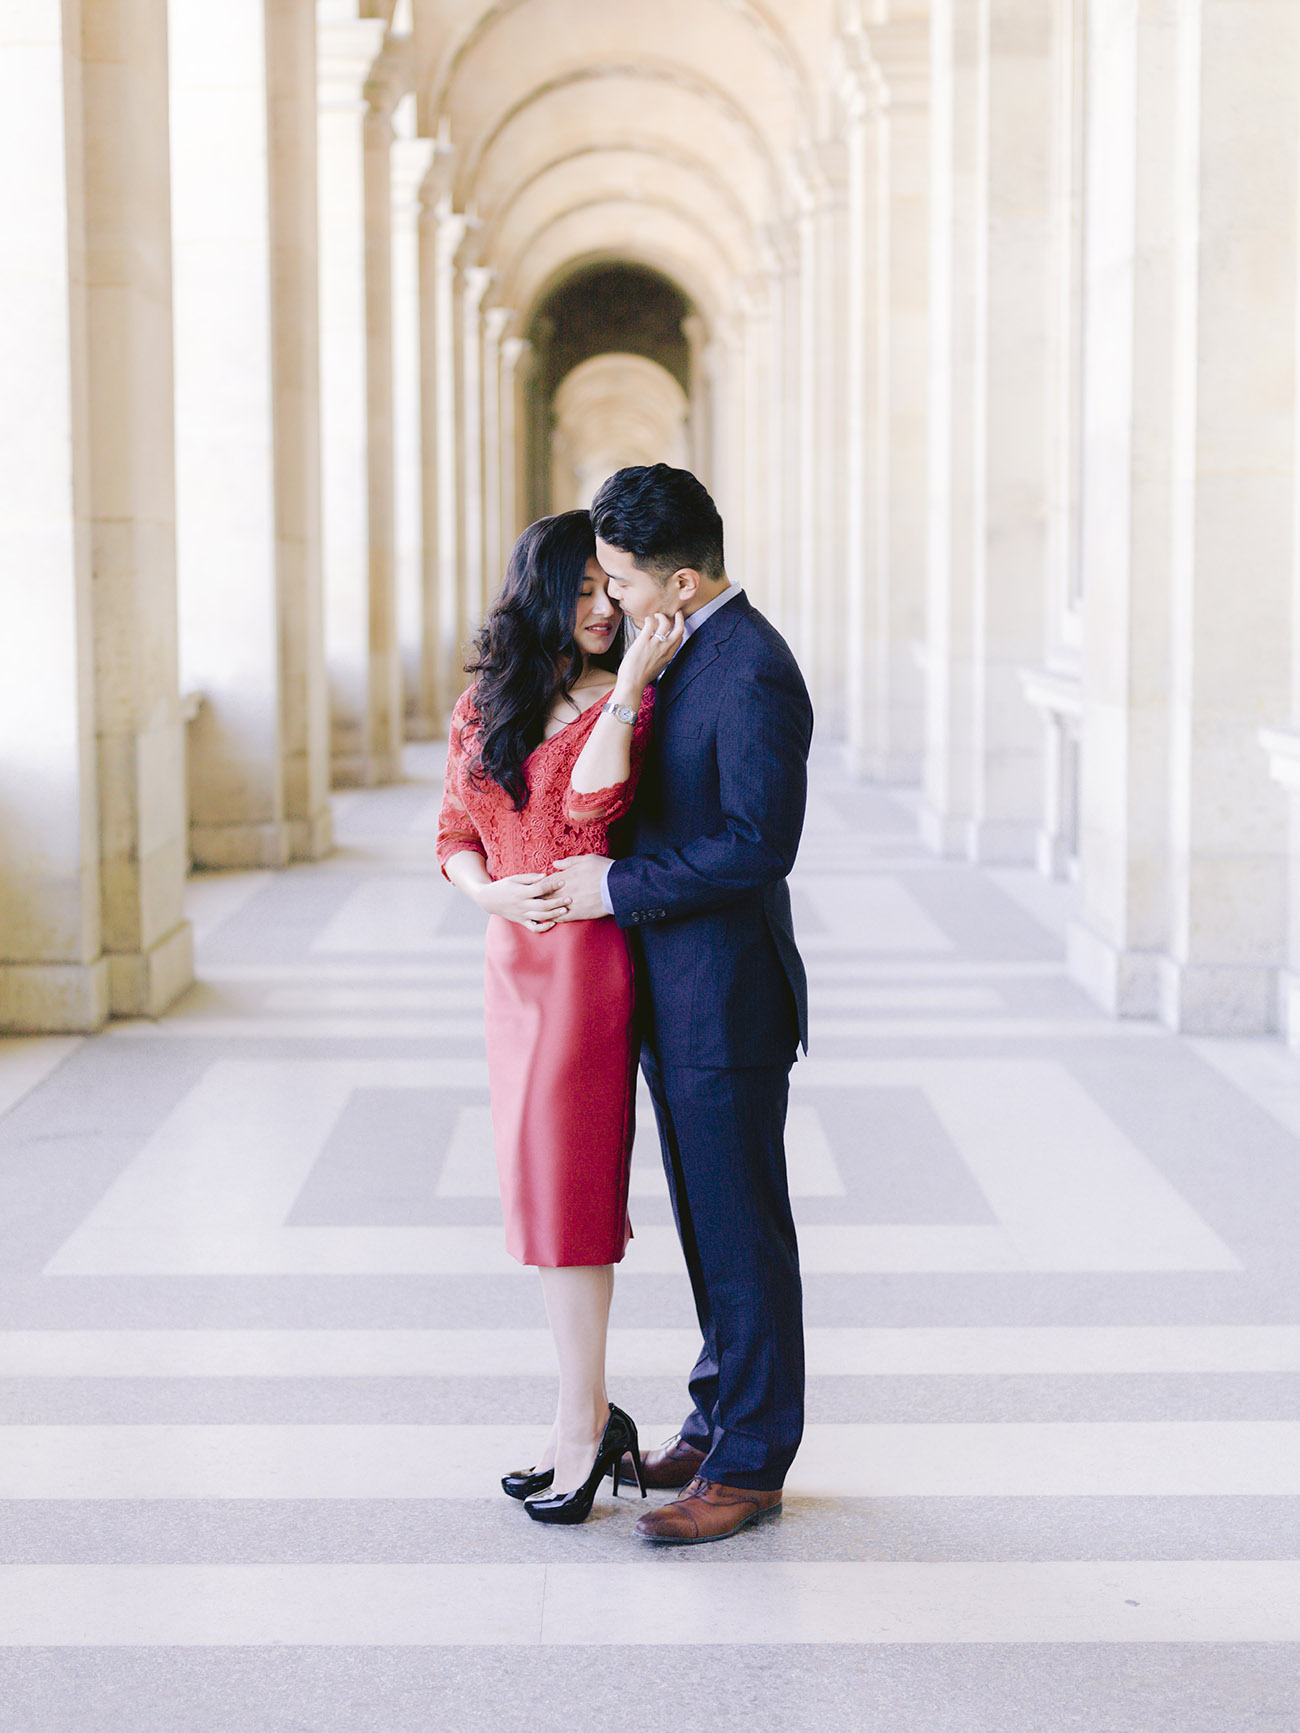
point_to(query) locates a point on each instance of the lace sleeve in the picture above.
(605, 805)
(457, 831)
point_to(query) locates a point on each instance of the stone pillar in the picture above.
(411, 158)
(295, 370)
(1013, 372)
(516, 364)
(855, 93)
(348, 47)
(697, 339)
(385, 696)
(901, 238)
(53, 974)
(225, 432)
(1127, 454)
(949, 779)
(749, 552)
(446, 229)
(91, 773)
(495, 321)
(476, 284)
(141, 759)
(816, 607)
(1234, 516)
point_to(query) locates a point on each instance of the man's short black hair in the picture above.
(664, 517)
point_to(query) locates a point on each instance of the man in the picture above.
(717, 823)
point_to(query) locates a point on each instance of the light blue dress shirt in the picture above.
(692, 624)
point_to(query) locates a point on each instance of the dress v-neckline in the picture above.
(572, 723)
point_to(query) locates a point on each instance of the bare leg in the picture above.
(577, 1305)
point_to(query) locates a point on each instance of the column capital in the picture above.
(449, 232)
(517, 355)
(495, 322)
(478, 280)
(411, 160)
(346, 51)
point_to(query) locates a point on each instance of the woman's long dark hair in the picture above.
(525, 654)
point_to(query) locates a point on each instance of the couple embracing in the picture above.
(626, 805)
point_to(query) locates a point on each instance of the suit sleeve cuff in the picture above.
(607, 901)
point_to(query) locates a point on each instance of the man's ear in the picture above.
(688, 583)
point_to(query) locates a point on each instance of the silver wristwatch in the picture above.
(624, 712)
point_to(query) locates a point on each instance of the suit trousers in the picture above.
(722, 1133)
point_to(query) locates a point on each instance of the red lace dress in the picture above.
(561, 1045)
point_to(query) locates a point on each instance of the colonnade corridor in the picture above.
(265, 1356)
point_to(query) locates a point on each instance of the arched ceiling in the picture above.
(670, 133)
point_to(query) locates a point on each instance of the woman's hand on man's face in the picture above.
(532, 900)
(652, 650)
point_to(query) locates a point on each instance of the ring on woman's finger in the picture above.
(660, 637)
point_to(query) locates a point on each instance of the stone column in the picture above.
(697, 339)
(1127, 455)
(225, 432)
(949, 779)
(411, 158)
(141, 759)
(854, 89)
(901, 136)
(348, 47)
(1234, 508)
(387, 706)
(516, 365)
(495, 321)
(88, 693)
(1013, 372)
(447, 232)
(295, 369)
(749, 551)
(477, 281)
(818, 578)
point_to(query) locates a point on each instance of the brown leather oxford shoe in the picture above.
(673, 1464)
(707, 1511)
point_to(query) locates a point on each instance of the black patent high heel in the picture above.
(524, 1482)
(569, 1507)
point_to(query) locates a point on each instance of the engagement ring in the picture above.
(660, 637)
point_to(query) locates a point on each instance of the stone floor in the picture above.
(263, 1356)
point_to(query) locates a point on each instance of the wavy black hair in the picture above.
(524, 653)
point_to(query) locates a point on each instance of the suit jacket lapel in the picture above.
(700, 650)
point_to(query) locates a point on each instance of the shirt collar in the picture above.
(694, 621)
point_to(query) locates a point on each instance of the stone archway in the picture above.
(609, 309)
(611, 411)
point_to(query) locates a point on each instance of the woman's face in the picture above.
(598, 617)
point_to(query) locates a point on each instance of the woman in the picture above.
(545, 752)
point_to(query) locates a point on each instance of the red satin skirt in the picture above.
(562, 1069)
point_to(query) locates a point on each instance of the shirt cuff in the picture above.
(606, 900)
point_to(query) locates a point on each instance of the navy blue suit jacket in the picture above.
(716, 827)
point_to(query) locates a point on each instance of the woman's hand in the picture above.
(650, 652)
(532, 900)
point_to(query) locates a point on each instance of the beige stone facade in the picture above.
(978, 316)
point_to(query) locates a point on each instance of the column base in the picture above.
(365, 769)
(990, 843)
(1210, 999)
(1053, 856)
(1123, 983)
(1288, 1007)
(145, 983)
(239, 845)
(943, 833)
(312, 838)
(53, 998)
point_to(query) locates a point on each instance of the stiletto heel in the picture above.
(636, 1463)
(571, 1507)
